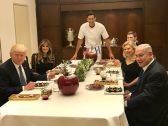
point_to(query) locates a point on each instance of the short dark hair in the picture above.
(133, 33)
(90, 13)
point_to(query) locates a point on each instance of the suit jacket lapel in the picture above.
(140, 84)
(13, 71)
(150, 66)
(147, 71)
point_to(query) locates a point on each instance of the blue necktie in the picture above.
(22, 79)
(140, 77)
(141, 74)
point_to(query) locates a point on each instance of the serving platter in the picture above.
(113, 90)
(94, 87)
(105, 82)
(24, 97)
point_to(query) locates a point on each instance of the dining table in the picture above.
(84, 108)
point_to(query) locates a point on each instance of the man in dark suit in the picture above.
(148, 104)
(12, 79)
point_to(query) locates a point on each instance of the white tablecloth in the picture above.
(85, 108)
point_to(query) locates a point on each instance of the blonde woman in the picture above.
(44, 59)
(129, 66)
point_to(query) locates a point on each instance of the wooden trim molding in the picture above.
(102, 6)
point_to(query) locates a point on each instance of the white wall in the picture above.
(7, 28)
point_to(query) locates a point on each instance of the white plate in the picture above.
(42, 84)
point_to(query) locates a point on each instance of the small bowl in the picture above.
(45, 97)
(98, 70)
(103, 75)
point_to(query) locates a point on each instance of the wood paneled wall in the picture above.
(156, 28)
(147, 17)
(48, 22)
(117, 22)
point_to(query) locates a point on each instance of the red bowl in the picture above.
(68, 85)
(91, 55)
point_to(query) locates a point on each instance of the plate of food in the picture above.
(41, 84)
(106, 82)
(94, 86)
(114, 90)
(24, 97)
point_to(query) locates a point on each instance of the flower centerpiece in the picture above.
(82, 68)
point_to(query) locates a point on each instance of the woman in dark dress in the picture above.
(129, 66)
(44, 59)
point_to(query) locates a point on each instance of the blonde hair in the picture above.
(131, 44)
(18, 48)
(49, 53)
